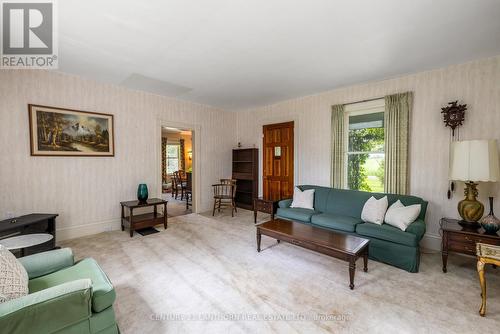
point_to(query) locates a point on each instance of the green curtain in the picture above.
(164, 159)
(397, 130)
(338, 147)
(182, 158)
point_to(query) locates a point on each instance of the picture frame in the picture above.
(67, 132)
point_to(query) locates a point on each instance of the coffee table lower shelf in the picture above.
(344, 247)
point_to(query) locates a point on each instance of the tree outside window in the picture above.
(365, 154)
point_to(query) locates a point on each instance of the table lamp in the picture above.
(473, 161)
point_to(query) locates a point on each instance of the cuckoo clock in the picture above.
(454, 115)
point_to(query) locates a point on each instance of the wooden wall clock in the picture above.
(454, 115)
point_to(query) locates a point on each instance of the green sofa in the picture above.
(64, 297)
(340, 210)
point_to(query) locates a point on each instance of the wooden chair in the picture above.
(486, 254)
(178, 184)
(230, 181)
(224, 196)
(189, 190)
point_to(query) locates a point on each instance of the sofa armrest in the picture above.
(49, 310)
(285, 203)
(47, 262)
(417, 228)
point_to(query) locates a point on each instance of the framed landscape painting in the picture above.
(66, 132)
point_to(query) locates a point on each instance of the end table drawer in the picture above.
(472, 239)
(463, 247)
(262, 206)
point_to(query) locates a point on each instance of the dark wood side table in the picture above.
(462, 240)
(264, 205)
(137, 222)
(29, 224)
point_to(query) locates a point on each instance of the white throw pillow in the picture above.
(13, 277)
(374, 210)
(402, 216)
(303, 199)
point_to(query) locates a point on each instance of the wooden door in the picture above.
(278, 161)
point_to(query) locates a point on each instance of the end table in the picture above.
(459, 239)
(137, 222)
(265, 205)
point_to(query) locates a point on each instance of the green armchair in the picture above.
(64, 297)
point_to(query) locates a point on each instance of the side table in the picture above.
(459, 239)
(137, 222)
(264, 205)
(34, 223)
(26, 240)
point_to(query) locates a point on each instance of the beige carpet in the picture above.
(176, 207)
(209, 268)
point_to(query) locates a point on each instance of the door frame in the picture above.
(296, 136)
(196, 163)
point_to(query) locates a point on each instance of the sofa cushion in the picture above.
(350, 202)
(103, 293)
(388, 233)
(336, 222)
(303, 199)
(303, 215)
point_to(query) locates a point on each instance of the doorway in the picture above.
(177, 170)
(278, 162)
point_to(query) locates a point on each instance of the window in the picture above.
(173, 154)
(365, 152)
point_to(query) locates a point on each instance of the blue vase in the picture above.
(490, 223)
(142, 193)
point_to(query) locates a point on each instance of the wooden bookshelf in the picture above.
(246, 172)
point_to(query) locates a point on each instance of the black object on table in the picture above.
(29, 224)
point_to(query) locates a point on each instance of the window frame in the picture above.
(167, 158)
(356, 109)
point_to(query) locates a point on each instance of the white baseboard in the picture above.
(73, 232)
(431, 242)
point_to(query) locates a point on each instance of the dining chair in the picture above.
(178, 184)
(188, 191)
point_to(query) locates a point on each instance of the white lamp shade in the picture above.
(474, 160)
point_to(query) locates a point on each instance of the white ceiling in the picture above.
(238, 54)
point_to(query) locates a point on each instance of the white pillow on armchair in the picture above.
(303, 199)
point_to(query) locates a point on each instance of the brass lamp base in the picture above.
(470, 209)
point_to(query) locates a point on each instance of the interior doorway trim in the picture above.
(196, 142)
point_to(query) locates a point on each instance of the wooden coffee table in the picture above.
(338, 245)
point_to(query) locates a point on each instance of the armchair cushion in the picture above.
(35, 313)
(47, 262)
(103, 294)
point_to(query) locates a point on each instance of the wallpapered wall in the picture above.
(476, 83)
(86, 191)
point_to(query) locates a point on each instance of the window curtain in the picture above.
(182, 158)
(338, 147)
(397, 129)
(164, 159)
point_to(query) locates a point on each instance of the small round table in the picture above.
(25, 241)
